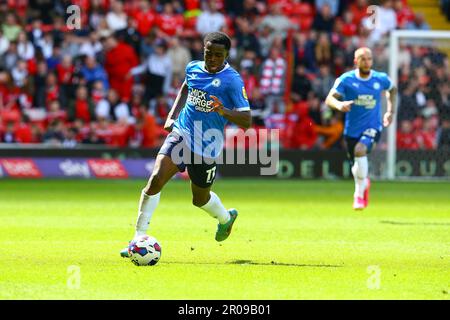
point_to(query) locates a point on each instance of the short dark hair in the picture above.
(218, 38)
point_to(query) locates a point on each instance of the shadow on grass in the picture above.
(253, 263)
(415, 223)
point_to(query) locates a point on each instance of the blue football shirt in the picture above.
(201, 127)
(365, 112)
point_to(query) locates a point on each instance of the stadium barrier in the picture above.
(123, 163)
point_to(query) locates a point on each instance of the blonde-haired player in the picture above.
(358, 93)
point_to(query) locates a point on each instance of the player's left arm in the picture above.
(241, 118)
(391, 96)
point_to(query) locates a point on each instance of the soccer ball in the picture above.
(144, 251)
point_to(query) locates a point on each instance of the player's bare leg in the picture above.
(163, 171)
(360, 172)
(207, 200)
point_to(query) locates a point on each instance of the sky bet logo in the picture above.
(198, 98)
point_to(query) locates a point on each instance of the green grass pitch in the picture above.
(292, 240)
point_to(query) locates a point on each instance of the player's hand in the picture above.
(168, 126)
(217, 106)
(345, 106)
(387, 119)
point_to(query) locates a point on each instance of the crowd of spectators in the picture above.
(445, 7)
(113, 80)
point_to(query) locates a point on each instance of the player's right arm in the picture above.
(178, 104)
(335, 96)
(333, 102)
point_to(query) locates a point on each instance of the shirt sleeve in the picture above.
(339, 87)
(187, 70)
(188, 66)
(386, 82)
(238, 95)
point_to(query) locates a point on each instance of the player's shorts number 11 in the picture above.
(211, 174)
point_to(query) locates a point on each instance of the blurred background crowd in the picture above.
(114, 80)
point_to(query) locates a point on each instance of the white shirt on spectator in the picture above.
(25, 50)
(278, 23)
(46, 47)
(4, 45)
(90, 49)
(121, 111)
(19, 76)
(210, 22)
(160, 65)
(102, 109)
(116, 21)
(385, 21)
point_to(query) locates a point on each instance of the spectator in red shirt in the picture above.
(23, 132)
(55, 112)
(406, 138)
(427, 136)
(145, 17)
(359, 10)
(120, 58)
(404, 14)
(169, 22)
(9, 93)
(65, 73)
(349, 28)
(82, 107)
(65, 70)
(104, 131)
(304, 135)
(52, 88)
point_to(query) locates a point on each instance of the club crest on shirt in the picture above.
(376, 86)
(216, 82)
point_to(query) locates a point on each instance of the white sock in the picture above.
(147, 204)
(360, 172)
(216, 209)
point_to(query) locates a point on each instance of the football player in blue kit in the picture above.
(358, 93)
(211, 96)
